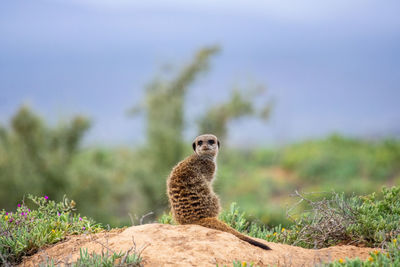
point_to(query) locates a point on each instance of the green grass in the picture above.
(106, 259)
(25, 230)
(166, 218)
(241, 264)
(389, 258)
(236, 219)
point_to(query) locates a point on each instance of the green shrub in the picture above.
(388, 258)
(378, 220)
(236, 219)
(363, 220)
(166, 219)
(240, 264)
(23, 232)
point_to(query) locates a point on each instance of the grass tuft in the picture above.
(388, 258)
(105, 259)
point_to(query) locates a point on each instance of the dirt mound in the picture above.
(191, 245)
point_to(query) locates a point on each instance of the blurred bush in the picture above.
(35, 158)
(111, 183)
(240, 104)
(43, 160)
(342, 161)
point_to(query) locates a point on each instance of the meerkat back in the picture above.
(190, 193)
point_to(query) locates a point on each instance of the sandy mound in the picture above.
(191, 245)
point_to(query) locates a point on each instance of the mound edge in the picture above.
(190, 245)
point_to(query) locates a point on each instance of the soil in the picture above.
(190, 245)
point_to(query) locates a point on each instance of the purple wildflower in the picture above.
(83, 228)
(58, 214)
(6, 213)
(10, 220)
(46, 197)
(80, 218)
(19, 205)
(29, 210)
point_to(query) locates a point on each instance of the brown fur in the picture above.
(190, 192)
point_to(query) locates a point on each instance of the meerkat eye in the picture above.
(211, 142)
(199, 143)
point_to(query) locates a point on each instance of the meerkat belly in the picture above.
(191, 203)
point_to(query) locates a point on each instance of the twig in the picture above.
(105, 246)
(144, 216)
(132, 221)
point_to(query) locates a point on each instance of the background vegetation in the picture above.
(110, 183)
(118, 185)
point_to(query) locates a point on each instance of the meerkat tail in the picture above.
(216, 224)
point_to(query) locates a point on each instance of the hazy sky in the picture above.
(330, 66)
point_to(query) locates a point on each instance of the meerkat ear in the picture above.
(218, 143)
(194, 146)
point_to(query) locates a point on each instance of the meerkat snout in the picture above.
(206, 144)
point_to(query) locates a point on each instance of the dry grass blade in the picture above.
(327, 221)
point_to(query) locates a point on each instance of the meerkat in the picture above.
(190, 193)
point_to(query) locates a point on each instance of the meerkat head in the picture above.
(206, 144)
